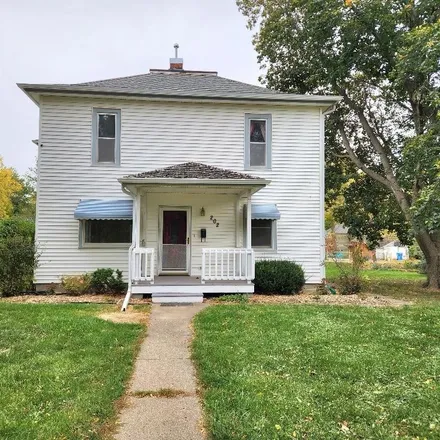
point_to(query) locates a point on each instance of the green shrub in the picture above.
(280, 277)
(350, 280)
(107, 280)
(350, 284)
(76, 284)
(411, 264)
(18, 259)
(12, 227)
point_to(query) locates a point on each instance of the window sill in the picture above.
(105, 246)
(263, 250)
(257, 169)
(106, 164)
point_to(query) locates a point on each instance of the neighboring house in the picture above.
(178, 172)
(392, 251)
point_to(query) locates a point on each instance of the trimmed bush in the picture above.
(107, 280)
(18, 259)
(76, 284)
(280, 277)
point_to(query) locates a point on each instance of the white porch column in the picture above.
(249, 221)
(143, 217)
(237, 221)
(137, 219)
(249, 259)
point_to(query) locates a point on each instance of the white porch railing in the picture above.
(140, 268)
(142, 264)
(220, 264)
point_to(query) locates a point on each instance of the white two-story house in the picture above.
(178, 172)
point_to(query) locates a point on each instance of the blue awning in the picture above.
(265, 212)
(104, 210)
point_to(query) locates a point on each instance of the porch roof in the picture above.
(191, 170)
(194, 173)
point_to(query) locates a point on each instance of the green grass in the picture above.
(377, 274)
(61, 370)
(319, 372)
(393, 283)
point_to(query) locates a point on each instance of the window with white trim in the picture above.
(258, 140)
(263, 234)
(106, 137)
(106, 232)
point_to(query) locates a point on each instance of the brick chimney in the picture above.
(176, 63)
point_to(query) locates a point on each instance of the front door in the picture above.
(175, 240)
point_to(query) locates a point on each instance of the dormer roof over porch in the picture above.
(194, 174)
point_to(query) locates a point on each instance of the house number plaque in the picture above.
(214, 220)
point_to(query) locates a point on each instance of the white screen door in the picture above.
(175, 241)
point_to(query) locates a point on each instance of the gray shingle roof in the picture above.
(180, 83)
(191, 170)
(183, 84)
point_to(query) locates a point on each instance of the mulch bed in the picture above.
(62, 298)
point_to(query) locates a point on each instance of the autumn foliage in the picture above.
(9, 185)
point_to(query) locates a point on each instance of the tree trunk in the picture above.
(431, 250)
(433, 271)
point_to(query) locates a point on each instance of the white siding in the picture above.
(155, 135)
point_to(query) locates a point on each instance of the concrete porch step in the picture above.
(181, 298)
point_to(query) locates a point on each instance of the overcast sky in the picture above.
(53, 41)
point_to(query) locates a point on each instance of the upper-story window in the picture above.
(106, 137)
(258, 142)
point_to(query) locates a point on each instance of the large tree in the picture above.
(24, 200)
(9, 186)
(383, 58)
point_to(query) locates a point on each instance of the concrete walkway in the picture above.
(164, 363)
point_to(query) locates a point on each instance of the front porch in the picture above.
(168, 288)
(189, 233)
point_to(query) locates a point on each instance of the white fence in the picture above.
(221, 264)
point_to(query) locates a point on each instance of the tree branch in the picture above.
(378, 147)
(358, 162)
(342, 156)
(398, 192)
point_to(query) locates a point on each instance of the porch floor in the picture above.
(186, 280)
(186, 284)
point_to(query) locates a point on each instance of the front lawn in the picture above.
(332, 272)
(319, 372)
(61, 370)
(405, 285)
